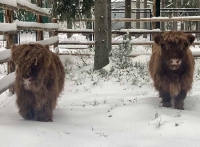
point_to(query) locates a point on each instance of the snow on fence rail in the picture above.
(5, 55)
(20, 25)
(36, 26)
(23, 4)
(158, 19)
(153, 19)
(132, 55)
(8, 28)
(113, 42)
(120, 32)
(7, 81)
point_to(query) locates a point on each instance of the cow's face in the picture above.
(32, 62)
(174, 47)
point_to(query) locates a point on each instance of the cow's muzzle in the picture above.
(174, 64)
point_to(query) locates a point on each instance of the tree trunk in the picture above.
(102, 33)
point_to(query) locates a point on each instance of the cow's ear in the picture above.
(191, 38)
(157, 38)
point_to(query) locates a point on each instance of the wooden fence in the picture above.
(130, 31)
(12, 27)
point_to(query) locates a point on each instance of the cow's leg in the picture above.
(166, 99)
(179, 100)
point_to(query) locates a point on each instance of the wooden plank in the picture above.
(10, 32)
(35, 28)
(132, 55)
(113, 42)
(10, 7)
(123, 31)
(28, 7)
(156, 19)
(32, 10)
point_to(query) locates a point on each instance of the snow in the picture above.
(14, 3)
(7, 81)
(9, 2)
(37, 25)
(110, 114)
(139, 30)
(73, 38)
(49, 41)
(77, 30)
(189, 18)
(97, 112)
(7, 27)
(5, 54)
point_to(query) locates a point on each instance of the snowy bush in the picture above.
(119, 54)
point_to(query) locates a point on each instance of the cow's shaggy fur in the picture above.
(171, 67)
(39, 81)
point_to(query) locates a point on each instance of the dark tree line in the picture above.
(71, 9)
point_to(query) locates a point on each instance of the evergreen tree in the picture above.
(119, 54)
(70, 9)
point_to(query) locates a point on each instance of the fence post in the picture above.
(40, 35)
(9, 43)
(128, 13)
(137, 16)
(54, 20)
(175, 14)
(145, 16)
(162, 14)
(156, 13)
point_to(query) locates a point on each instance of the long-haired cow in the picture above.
(39, 80)
(171, 67)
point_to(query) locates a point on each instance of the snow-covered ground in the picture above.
(104, 112)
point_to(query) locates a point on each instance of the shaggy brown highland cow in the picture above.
(171, 67)
(39, 81)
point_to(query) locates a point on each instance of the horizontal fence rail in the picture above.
(113, 42)
(23, 4)
(7, 81)
(5, 56)
(120, 32)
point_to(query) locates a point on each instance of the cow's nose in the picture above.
(176, 61)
